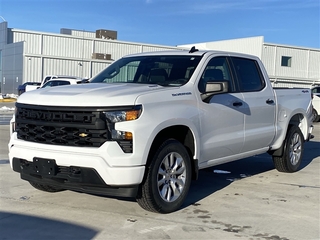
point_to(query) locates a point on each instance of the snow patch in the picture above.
(6, 109)
(221, 171)
(8, 95)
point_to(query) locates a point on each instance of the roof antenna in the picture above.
(193, 49)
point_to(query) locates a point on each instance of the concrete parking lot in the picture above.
(246, 199)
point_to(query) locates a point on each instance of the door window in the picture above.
(217, 70)
(248, 74)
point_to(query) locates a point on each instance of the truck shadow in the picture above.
(216, 178)
(311, 151)
(21, 226)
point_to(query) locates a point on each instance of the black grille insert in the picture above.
(61, 125)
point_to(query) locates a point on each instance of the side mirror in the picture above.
(213, 88)
(216, 87)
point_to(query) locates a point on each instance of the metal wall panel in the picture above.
(32, 69)
(12, 67)
(120, 49)
(84, 69)
(268, 58)
(70, 47)
(314, 64)
(53, 66)
(150, 48)
(116, 49)
(97, 67)
(252, 45)
(78, 33)
(305, 64)
(34, 72)
(3, 34)
(299, 62)
(32, 41)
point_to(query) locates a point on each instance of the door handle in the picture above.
(237, 104)
(269, 101)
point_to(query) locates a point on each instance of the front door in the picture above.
(221, 116)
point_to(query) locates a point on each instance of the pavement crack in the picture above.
(298, 185)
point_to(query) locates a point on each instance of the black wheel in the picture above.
(315, 116)
(46, 188)
(167, 179)
(292, 152)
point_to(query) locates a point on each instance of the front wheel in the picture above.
(292, 152)
(167, 179)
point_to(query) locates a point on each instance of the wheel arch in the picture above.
(298, 120)
(185, 136)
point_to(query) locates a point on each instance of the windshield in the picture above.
(161, 70)
(55, 83)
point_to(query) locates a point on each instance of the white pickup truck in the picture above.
(48, 78)
(148, 123)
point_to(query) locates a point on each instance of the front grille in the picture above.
(61, 125)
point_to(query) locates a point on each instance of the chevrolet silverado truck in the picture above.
(146, 125)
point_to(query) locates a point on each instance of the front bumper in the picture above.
(109, 164)
(47, 172)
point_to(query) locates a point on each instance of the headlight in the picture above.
(13, 122)
(113, 117)
(121, 116)
(12, 125)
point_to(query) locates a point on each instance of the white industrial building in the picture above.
(287, 66)
(29, 56)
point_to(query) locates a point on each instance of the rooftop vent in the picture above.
(106, 34)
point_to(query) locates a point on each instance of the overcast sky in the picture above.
(173, 22)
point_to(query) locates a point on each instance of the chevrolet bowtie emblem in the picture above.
(83, 135)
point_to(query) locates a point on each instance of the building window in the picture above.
(286, 61)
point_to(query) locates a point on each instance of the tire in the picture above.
(292, 153)
(167, 180)
(315, 116)
(45, 188)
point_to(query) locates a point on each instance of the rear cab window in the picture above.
(248, 74)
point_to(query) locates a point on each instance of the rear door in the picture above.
(259, 104)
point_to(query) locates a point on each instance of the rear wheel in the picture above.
(292, 152)
(46, 188)
(167, 179)
(315, 116)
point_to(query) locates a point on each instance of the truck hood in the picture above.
(90, 94)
